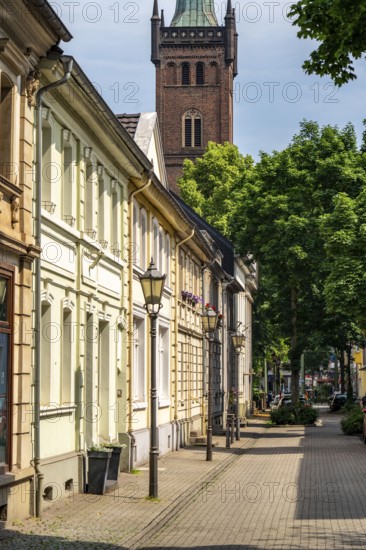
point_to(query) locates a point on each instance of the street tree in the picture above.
(273, 213)
(339, 27)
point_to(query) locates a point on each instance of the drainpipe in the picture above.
(177, 247)
(130, 294)
(67, 63)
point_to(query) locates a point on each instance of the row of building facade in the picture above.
(105, 209)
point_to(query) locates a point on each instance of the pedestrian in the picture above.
(363, 400)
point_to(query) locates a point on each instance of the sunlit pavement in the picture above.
(278, 488)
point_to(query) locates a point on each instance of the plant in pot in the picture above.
(98, 464)
(113, 468)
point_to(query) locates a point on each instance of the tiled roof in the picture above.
(130, 122)
(194, 13)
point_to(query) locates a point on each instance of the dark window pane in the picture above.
(188, 132)
(3, 299)
(185, 74)
(199, 74)
(198, 132)
(4, 343)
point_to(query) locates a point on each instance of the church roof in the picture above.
(129, 122)
(194, 13)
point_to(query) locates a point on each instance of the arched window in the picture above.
(185, 74)
(192, 129)
(171, 74)
(200, 75)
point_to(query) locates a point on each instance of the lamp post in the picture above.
(238, 340)
(152, 282)
(209, 323)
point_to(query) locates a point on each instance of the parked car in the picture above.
(338, 401)
(331, 397)
(287, 400)
(274, 403)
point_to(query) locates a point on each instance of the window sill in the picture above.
(62, 410)
(163, 403)
(139, 405)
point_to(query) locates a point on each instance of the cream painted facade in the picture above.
(106, 210)
(161, 230)
(26, 34)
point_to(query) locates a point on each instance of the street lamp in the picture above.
(209, 323)
(152, 282)
(238, 340)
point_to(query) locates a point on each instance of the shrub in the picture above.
(294, 415)
(352, 422)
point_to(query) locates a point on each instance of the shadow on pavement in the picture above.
(11, 540)
(17, 541)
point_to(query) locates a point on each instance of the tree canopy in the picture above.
(339, 26)
(283, 212)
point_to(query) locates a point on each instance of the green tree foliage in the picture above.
(213, 186)
(280, 212)
(339, 26)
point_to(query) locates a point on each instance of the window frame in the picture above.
(189, 125)
(7, 272)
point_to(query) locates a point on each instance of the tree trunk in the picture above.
(341, 366)
(294, 353)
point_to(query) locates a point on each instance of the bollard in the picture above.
(232, 422)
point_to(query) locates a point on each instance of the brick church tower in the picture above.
(196, 62)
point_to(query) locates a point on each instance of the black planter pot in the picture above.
(113, 469)
(98, 464)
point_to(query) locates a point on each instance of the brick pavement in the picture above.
(278, 488)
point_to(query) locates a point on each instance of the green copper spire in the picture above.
(194, 13)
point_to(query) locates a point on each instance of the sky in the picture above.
(272, 94)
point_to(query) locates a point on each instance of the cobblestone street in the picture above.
(281, 488)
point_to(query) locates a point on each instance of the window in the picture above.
(69, 179)
(103, 375)
(181, 271)
(46, 162)
(135, 248)
(167, 258)
(192, 129)
(6, 314)
(143, 254)
(155, 243)
(161, 264)
(185, 74)
(139, 379)
(6, 133)
(45, 353)
(163, 364)
(116, 244)
(101, 210)
(67, 346)
(199, 74)
(89, 200)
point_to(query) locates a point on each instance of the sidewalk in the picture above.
(124, 516)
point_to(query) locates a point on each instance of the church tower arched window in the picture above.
(192, 129)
